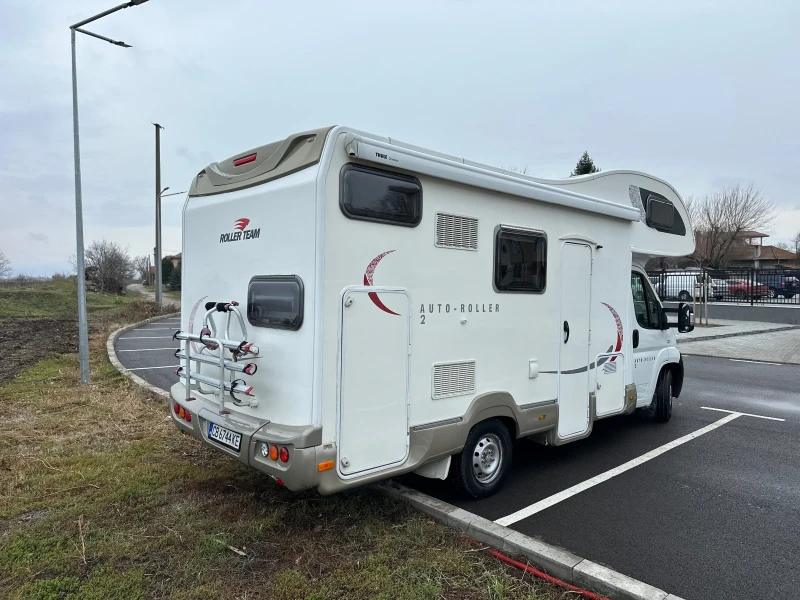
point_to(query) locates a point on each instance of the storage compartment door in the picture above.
(373, 393)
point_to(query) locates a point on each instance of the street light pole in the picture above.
(83, 327)
(159, 191)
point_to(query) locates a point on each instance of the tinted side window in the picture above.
(645, 305)
(374, 195)
(275, 301)
(520, 261)
(639, 300)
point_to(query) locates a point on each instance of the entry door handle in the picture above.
(635, 338)
(566, 332)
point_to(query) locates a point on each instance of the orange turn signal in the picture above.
(325, 466)
(181, 412)
(273, 452)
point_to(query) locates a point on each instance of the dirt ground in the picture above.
(24, 342)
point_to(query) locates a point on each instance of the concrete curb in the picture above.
(112, 354)
(737, 334)
(556, 561)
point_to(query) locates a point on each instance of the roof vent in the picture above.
(453, 379)
(455, 231)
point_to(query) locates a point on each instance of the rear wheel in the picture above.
(771, 293)
(684, 296)
(740, 294)
(485, 460)
(662, 399)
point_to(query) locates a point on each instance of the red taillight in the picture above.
(279, 481)
(188, 417)
(284, 454)
(177, 408)
(244, 160)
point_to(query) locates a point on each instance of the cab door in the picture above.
(648, 339)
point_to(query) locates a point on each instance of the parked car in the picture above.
(742, 288)
(680, 285)
(779, 285)
(720, 289)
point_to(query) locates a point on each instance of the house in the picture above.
(175, 258)
(749, 251)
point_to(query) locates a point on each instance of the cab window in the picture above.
(645, 304)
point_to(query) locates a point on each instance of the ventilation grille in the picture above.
(453, 379)
(454, 231)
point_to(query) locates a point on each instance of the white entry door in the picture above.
(573, 363)
(373, 393)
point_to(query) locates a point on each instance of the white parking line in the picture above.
(755, 362)
(537, 507)
(155, 329)
(145, 337)
(147, 349)
(146, 368)
(741, 414)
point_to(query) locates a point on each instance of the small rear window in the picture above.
(275, 301)
(374, 195)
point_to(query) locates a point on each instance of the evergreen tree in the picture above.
(166, 270)
(175, 279)
(585, 166)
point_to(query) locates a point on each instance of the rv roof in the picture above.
(298, 151)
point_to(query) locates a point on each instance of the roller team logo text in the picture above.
(240, 232)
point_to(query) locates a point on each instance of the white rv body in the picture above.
(405, 342)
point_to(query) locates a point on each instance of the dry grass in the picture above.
(101, 498)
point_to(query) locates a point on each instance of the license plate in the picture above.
(224, 437)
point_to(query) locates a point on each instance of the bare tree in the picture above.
(521, 171)
(109, 265)
(720, 219)
(796, 242)
(141, 266)
(784, 246)
(5, 266)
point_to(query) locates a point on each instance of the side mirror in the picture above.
(685, 318)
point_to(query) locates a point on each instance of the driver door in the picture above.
(648, 338)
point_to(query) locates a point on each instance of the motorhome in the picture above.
(355, 308)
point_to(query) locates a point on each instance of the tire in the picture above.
(788, 295)
(717, 298)
(684, 296)
(662, 399)
(481, 467)
(771, 293)
(741, 294)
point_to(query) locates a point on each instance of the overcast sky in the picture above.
(697, 93)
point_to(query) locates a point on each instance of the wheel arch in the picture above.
(677, 376)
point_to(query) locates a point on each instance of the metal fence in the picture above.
(751, 286)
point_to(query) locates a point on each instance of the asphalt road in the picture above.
(148, 351)
(715, 518)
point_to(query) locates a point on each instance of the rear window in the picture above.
(374, 195)
(275, 301)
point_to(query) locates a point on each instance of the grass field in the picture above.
(100, 498)
(54, 298)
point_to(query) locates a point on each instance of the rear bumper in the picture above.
(306, 451)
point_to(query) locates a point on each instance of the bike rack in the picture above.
(210, 341)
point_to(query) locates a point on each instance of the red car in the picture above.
(741, 288)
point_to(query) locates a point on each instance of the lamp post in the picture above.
(83, 329)
(159, 285)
